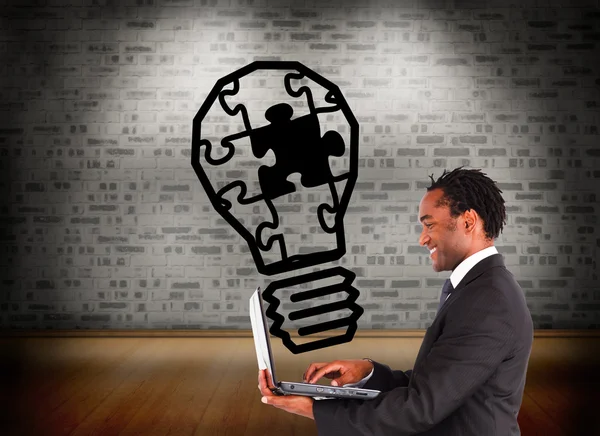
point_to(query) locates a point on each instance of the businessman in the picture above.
(469, 374)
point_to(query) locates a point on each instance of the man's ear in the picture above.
(471, 218)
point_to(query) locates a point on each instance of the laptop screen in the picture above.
(262, 342)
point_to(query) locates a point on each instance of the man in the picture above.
(469, 375)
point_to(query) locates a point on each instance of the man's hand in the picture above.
(297, 404)
(341, 371)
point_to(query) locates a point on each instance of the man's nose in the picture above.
(422, 237)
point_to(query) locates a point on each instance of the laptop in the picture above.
(264, 355)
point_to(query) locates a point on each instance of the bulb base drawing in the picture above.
(344, 279)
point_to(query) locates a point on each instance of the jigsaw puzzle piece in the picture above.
(304, 207)
(265, 138)
(218, 131)
(250, 218)
(339, 159)
(328, 210)
(234, 109)
(266, 237)
(232, 194)
(326, 215)
(319, 99)
(275, 232)
(234, 208)
(221, 156)
(317, 169)
(249, 98)
(298, 147)
(234, 160)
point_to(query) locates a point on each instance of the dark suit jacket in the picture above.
(468, 377)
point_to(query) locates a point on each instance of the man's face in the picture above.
(443, 235)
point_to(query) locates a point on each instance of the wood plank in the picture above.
(72, 364)
(78, 399)
(194, 397)
(563, 381)
(150, 376)
(533, 420)
(183, 403)
(229, 408)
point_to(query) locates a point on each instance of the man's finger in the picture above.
(324, 370)
(269, 379)
(275, 401)
(262, 383)
(263, 378)
(312, 368)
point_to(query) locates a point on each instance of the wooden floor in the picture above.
(208, 386)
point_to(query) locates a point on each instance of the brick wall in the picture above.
(105, 224)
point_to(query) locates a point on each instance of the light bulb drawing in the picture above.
(310, 137)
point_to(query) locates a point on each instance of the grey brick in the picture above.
(305, 36)
(287, 23)
(451, 151)
(384, 318)
(545, 186)
(323, 26)
(405, 284)
(363, 284)
(395, 186)
(360, 24)
(384, 294)
(410, 152)
(430, 139)
(361, 47)
(206, 250)
(405, 306)
(325, 47)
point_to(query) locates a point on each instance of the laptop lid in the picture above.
(262, 341)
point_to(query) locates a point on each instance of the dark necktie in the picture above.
(446, 290)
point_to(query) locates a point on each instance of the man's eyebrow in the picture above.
(425, 217)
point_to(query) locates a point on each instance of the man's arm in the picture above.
(382, 378)
(361, 383)
(470, 348)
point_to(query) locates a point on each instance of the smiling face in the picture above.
(449, 240)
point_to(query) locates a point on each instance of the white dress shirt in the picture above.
(455, 278)
(465, 266)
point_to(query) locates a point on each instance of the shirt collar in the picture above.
(465, 266)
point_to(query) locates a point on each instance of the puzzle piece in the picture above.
(239, 108)
(319, 98)
(266, 236)
(298, 147)
(222, 125)
(242, 213)
(247, 97)
(317, 212)
(216, 160)
(319, 203)
(327, 211)
(228, 200)
(240, 142)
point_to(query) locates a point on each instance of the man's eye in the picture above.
(427, 225)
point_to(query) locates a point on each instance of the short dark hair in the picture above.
(471, 189)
